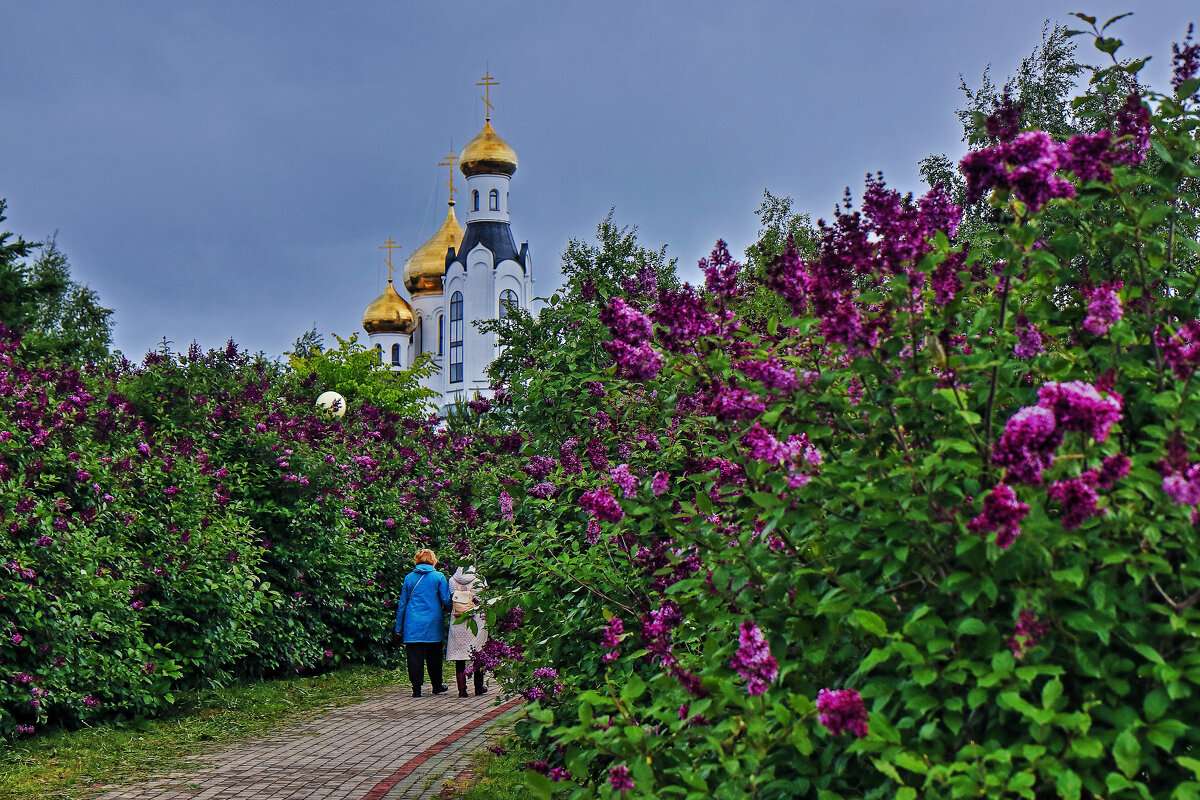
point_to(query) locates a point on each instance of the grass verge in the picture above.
(72, 765)
(500, 776)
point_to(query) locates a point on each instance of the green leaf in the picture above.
(1069, 784)
(869, 621)
(634, 688)
(1187, 88)
(1127, 753)
(970, 626)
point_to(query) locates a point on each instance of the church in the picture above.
(458, 276)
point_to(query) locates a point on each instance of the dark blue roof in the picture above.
(495, 236)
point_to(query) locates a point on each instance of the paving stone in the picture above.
(388, 747)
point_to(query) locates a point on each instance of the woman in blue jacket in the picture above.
(424, 601)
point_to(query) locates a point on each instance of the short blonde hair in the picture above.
(426, 556)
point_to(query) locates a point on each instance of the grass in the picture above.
(72, 765)
(500, 777)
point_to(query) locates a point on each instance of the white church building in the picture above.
(458, 276)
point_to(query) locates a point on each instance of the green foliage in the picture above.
(60, 319)
(359, 374)
(867, 573)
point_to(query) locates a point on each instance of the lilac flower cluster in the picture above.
(631, 347)
(1026, 166)
(842, 710)
(492, 653)
(624, 479)
(753, 660)
(1033, 434)
(658, 631)
(602, 505)
(1028, 633)
(1132, 132)
(1181, 350)
(1002, 512)
(683, 317)
(720, 271)
(546, 684)
(612, 639)
(1103, 308)
(512, 620)
(660, 483)
(1185, 62)
(1030, 341)
(620, 779)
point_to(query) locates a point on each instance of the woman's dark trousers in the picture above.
(422, 655)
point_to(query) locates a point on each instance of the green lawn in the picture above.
(73, 764)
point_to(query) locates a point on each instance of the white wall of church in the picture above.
(484, 185)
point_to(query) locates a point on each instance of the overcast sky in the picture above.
(228, 169)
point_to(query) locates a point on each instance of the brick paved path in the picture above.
(393, 746)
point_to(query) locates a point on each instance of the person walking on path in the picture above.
(424, 601)
(465, 586)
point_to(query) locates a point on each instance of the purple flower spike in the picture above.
(842, 710)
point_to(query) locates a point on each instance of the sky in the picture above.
(220, 170)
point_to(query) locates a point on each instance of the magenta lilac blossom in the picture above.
(842, 710)
(753, 659)
(1002, 512)
(1103, 308)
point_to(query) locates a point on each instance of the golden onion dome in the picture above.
(487, 154)
(389, 313)
(425, 267)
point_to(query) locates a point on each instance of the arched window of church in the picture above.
(456, 337)
(494, 200)
(508, 302)
(441, 332)
(379, 347)
(475, 200)
(420, 335)
(395, 355)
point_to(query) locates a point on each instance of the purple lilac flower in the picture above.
(1079, 406)
(626, 322)
(1089, 156)
(17, 638)
(569, 457)
(771, 373)
(1002, 512)
(1183, 486)
(544, 490)
(1027, 633)
(506, 505)
(683, 317)
(512, 620)
(1185, 62)
(1030, 340)
(593, 531)
(559, 774)
(620, 779)
(1133, 131)
(1113, 469)
(1004, 122)
(547, 673)
(753, 659)
(842, 710)
(1077, 496)
(612, 634)
(763, 446)
(660, 483)
(1031, 437)
(720, 271)
(90, 701)
(602, 505)
(1026, 166)
(731, 403)
(639, 362)
(1104, 308)
(540, 767)
(625, 479)
(658, 631)
(945, 281)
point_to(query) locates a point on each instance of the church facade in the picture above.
(460, 275)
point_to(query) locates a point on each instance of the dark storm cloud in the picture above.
(229, 169)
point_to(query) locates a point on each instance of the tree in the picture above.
(58, 317)
(356, 372)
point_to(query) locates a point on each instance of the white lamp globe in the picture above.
(332, 403)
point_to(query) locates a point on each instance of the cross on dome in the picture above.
(389, 245)
(487, 81)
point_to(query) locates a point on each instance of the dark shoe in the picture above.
(441, 689)
(462, 684)
(416, 691)
(479, 687)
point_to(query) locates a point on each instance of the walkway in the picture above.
(391, 747)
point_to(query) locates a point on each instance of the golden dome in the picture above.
(425, 267)
(389, 313)
(487, 153)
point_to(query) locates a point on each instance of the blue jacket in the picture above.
(423, 607)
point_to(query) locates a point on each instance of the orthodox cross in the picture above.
(389, 245)
(487, 82)
(450, 161)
